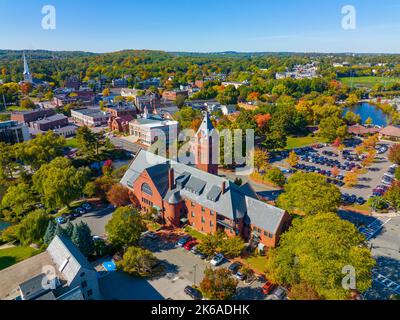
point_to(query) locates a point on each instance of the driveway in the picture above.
(97, 220)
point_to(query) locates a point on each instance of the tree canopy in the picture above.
(315, 251)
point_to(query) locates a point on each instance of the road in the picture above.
(383, 234)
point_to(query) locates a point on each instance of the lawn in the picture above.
(194, 233)
(368, 82)
(11, 256)
(302, 141)
(72, 143)
(256, 262)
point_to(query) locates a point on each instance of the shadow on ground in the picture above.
(389, 268)
(121, 286)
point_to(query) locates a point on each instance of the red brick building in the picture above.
(173, 94)
(197, 196)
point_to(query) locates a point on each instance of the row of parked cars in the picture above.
(190, 244)
(352, 199)
(77, 212)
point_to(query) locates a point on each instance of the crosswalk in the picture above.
(372, 229)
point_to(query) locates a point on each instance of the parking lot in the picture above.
(383, 235)
(183, 268)
(322, 159)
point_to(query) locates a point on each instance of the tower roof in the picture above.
(206, 126)
(26, 66)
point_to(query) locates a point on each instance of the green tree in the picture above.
(69, 229)
(138, 262)
(332, 128)
(59, 182)
(218, 284)
(82, 238)
(232, 247)
(309, 193)
(276, 176)
(315, 251)
(32, 228)
(397, 173)
(89, 142)
(228, 96)
(50, 232)
(125, 227)
(210, 244)
(393, 195)
(41, 150)
(19, 199)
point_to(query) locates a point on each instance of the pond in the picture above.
(4, 225)
(366, 110)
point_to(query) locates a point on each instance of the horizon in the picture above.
(257, 26)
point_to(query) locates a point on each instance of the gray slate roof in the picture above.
(68, 258)
(205, 189)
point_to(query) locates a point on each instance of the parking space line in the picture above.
(386, 282)
(372, 229)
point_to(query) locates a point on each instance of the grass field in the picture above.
(194, 233)
(368, 82)
(298, 142)
(72, 143)
(257, 263)
(11, 256)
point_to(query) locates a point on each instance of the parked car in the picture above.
(234, 267)
(87, 206)
(193, 293)
(360, 200)
(268, 287)
(198, 253)
(181, 242)
(217, 260)
(61, 220)
(189, 245)
(149, 234)
(280, 293)
(240, 276)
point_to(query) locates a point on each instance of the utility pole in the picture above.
(194, 275)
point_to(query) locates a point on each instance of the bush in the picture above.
(231, 247)
(138, 262)
(276, 176)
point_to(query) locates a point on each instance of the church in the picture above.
(28, 78)
(195, 195)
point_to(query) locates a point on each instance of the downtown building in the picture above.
(195, 195)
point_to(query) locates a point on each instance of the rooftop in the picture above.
(205, 189)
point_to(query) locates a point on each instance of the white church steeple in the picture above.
(27, 73)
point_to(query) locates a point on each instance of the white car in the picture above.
(217, 260)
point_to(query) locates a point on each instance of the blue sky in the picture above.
(205, 25)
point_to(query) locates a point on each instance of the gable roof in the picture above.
(68, 258)
(393, 131)
(205, 189)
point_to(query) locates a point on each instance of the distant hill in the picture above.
(42, 54)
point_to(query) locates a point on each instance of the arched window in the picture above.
(146, 189)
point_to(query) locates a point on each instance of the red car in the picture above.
(268, 287)
(189, 245)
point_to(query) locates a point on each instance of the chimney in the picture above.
(223, 187)
(171, 179)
